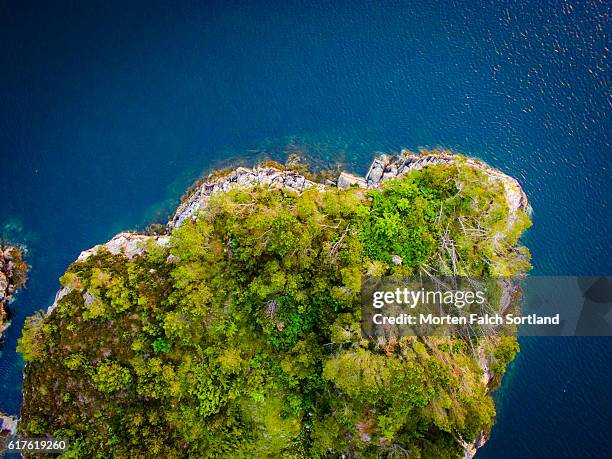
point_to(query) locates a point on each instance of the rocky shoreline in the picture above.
(13, 275)
(383, 168)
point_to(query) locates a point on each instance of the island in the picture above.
(13, 276)
(234, 331)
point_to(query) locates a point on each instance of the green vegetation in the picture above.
(430, 223)
(13, 276)
(13, 266)
(242, 339)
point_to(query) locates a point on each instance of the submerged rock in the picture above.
(8, 424)
(346, 180)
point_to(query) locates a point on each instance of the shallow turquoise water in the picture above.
(108, 111)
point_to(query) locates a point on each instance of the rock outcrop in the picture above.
(240, 177)
(13, 274)
(384, 167)
(472, 448)
(130, 244)
(8, 425)
(8, 429)
(58, 296)
(346, 180)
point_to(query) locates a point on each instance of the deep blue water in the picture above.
(109, 110)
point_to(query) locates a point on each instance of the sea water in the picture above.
(108, 112)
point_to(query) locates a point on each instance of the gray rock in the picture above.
(58, 296)
(172, 259)
(8, 424)
(347, 180)
(397, 260)
(89, 298)
(376, 174)
(3, 285)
